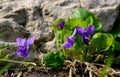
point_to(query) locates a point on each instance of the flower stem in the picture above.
(34, 49)
(19, 62)
(37, 55)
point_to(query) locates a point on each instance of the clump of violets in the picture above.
(24, 46)
(81, 31)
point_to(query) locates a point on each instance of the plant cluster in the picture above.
(81, 37)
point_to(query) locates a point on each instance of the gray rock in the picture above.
(10, 30)
(23, 18)
(107, 16)
(106, 10)
(49, 46)
(17, 15)
(58, 9)
(6, 6)
(92, 4)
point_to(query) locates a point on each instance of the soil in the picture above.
(37, 72)
(71, 69)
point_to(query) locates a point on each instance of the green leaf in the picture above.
(116, 31)
(19, 62)
(84, 14)
(107, 65)
(58, 38)
(73, 22)
(116, 28)
(88, 22)
(5, 68)
(2, 47)
(54, 59)
(78, 43)
(116, 45)
(102, 41)
(2, 55)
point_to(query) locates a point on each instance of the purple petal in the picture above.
(30, 41)
(80, 30)
(61, 24)
(20, 41)
(74, 33)
(23, 52)
(70, 40)
(85, 39)
(27, 51)
(69, 43)
(90, 29)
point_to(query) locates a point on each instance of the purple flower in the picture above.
(85, 33)
(24, 46)
(70, 40)
(69, 43)
(61, 24)
(81, 31)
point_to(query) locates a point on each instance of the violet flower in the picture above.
(70, 40)
(24, 46)
(85, 33)
(69, 43)
(61, 24)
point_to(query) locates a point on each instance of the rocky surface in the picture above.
(25, 18)
(106, 10)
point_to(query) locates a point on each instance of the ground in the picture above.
(70, 69)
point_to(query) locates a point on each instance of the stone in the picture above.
(106, 10)
(49, 46)
(17, 15)
(20, 16)
(10, 30)
(58, 9)
(107, 16)
(92, 4)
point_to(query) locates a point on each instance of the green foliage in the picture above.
(107, 66)
(73, 22)
(79, 17)
(78, 43)
(3, 65)
(102, 41)
(116, 45)
(70, 24)
(2, 55)
(116, 28)
(88, 22)
(116, 31)
(59, 39)
(54, 59)
(84, 14)
(7, 66)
